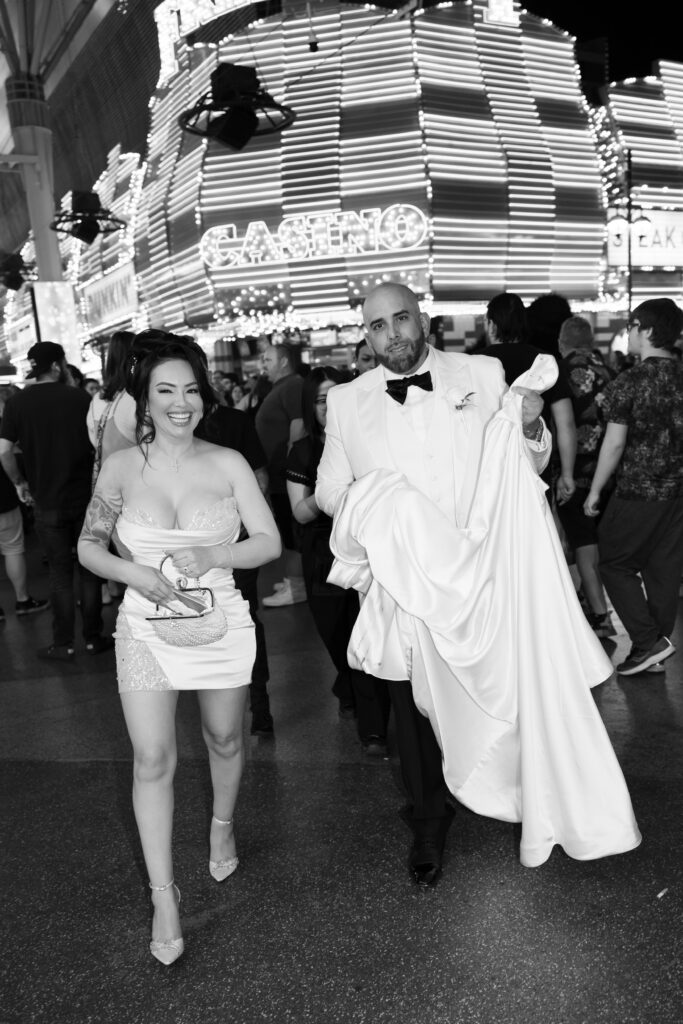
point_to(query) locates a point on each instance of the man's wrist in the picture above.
(533, 431)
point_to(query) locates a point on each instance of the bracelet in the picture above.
(538, 433)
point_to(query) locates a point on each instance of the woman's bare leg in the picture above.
(150, 719)
(222, 714)
(587, 563)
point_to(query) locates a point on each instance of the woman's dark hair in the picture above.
(116, 364)
(507, 312)
(545, 316)
(312, 381)
(149, 349)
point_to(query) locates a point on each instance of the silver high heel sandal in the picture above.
(167, 951)
(220, 869)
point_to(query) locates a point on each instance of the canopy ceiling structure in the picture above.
(97, 62)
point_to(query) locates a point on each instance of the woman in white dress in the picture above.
(111, 414)
(176, 503)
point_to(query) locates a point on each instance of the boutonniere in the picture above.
(457, 400)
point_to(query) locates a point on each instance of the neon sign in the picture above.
(177, 18)
(315, 236)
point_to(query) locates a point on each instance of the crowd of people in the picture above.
(174, 485)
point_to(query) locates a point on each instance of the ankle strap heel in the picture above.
(220, 869)
(167, 951)
(161, 888)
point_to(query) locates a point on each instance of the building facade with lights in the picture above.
(640, 142)
(449, 147)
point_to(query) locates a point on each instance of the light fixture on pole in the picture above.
(313, 42)
(623, 225)
(87, 219)
(12, 271)
(236, 109)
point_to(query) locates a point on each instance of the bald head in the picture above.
(395, 328)
(399, 293)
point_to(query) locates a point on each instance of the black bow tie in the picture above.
(398, 387)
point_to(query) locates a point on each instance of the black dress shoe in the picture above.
(262, 724)
(425, 861)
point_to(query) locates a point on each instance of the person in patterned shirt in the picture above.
(588, 375)
(640, 536)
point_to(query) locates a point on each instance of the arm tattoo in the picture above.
(100, 520)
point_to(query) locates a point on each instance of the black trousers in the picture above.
(58, 531)
(430, 804)
(334, 612)
(641, 543)
(246, 581)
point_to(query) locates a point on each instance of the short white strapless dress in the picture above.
(143, 660)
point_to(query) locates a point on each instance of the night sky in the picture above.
(636, 34)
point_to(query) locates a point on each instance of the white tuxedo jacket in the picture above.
(363, 433)
(486, 624)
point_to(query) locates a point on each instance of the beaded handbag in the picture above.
(203, 622)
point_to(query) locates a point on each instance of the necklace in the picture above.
(173, 464)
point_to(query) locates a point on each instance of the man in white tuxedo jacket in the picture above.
(433, 434)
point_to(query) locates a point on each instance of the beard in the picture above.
(405, 359)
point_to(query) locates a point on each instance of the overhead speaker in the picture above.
(86, 230)
(87, 219)
(234, 128)
(230, 81)
(236, 109)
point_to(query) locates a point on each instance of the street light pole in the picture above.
(29, 119)
(629, 220)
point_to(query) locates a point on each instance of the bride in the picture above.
(176, 504)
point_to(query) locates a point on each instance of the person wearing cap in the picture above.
(48, 422)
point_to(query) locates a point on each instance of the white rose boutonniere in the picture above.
(459, 400)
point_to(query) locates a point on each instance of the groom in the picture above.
(422, 413)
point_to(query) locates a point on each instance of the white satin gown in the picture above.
(486, 624)
(146, 662)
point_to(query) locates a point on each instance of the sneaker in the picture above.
(640, 661)
(99, 644)
(286, 595)
(56, 652)
(30, 605)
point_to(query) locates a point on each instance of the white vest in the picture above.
(421, 443)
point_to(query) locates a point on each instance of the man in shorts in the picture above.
(13, 550)
(47, 421)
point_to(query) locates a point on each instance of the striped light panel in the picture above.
(442, 148)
